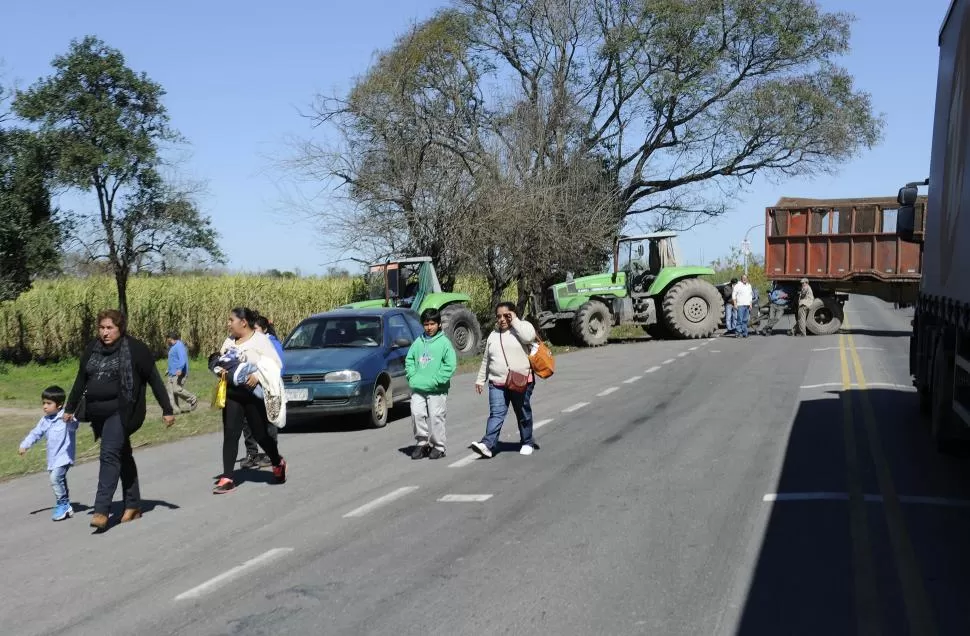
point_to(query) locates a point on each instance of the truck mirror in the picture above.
(905, 220)
(907, 196)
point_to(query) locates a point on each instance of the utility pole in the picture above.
(746, 246)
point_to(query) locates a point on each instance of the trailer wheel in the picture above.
(941, 411)
(825, 317)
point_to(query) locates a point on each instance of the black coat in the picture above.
(144, 373)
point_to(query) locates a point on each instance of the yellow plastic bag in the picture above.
(219, 393)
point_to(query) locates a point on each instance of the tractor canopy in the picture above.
(406, 282)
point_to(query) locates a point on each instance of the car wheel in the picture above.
(378, 407)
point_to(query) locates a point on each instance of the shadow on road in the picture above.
(804, 581)
(302, 424)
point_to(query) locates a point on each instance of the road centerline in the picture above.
(217, 581)
(464, 498)
(380, 501)
(575, 407)
(605, 392)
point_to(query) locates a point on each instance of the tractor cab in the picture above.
(402, 283)
(641, 258)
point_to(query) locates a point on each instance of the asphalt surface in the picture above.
(758, 486)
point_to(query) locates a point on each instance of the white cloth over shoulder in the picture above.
(259, 350)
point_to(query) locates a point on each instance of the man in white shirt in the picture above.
(741, 298)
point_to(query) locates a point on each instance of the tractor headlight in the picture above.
(342, 376)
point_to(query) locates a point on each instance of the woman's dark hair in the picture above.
(247, 314)
(114, 316)
(55, 394)
(506, 305)
(263, 323)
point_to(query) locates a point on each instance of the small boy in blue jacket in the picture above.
(61, 438)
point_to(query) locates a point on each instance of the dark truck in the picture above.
(940, 343)
(842, 246)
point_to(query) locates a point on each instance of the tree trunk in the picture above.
(121, 282)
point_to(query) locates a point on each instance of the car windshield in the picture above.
(324, 333)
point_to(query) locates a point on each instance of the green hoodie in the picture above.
(430, 364)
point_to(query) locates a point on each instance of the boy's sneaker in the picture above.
(481, 449)
(251, 461)
(62, 512)
(223, 486)
(526, 449)
(280, 472)
(436, 453)
(419, 451)
(263, 460)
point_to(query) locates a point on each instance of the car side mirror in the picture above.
(402, 343)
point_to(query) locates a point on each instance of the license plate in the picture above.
(297, 395)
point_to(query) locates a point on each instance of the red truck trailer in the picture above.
(842, 246)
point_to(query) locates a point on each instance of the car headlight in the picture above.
(342, 376)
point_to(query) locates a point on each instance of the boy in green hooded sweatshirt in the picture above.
(430, 363)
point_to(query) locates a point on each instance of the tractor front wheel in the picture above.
(461, 326)
(592, 324)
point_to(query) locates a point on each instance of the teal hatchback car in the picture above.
(349, 361)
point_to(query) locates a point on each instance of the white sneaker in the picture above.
(526, 450)
(481, 449)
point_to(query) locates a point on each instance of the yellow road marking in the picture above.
(918, 611)
(867, 613)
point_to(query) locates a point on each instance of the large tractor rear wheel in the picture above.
(461, 326)
(592, 324)
(692, 309)
(824, 317)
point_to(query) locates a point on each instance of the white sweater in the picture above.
(516, 341)
(259, 350)
(743, 294)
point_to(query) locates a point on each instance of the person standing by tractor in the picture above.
(728, 292)
(777, 302)
(805, 299)
(742, 296)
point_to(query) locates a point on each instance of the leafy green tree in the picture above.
(108, 124)
(31, 230)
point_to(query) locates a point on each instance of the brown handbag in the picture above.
(514, 381)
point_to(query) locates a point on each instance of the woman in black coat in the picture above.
(114, 370)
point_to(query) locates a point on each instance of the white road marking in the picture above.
(857, 349)
(652, 369)
(464, 461)
(669, 361)
(225, 577)
(465, 498)
(575, 407)
(844, 496)
(633, 379)
(715, 351)
(380, 501)
(682, 354)
(692, 349)
(538, 424)
(612, 389)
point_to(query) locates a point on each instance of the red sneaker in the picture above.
(223, 486)
(280, 472)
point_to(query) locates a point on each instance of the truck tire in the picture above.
(941, 410)
(592, 324)
(692, 309)
(461, 326)
(824, 317)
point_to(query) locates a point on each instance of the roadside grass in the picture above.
(21, 386)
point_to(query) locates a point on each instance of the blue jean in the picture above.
(728, 317)
(499, 399)
(744, 312)
(59, 484)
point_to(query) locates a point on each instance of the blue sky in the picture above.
(237, 74)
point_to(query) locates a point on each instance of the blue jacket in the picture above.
(60, 439)
(778, 297)
(279, 349)
(178, 358)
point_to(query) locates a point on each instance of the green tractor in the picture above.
(413, 283)
(647, 287)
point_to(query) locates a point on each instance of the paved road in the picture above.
(680, 488)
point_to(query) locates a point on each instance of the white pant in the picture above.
(428, 413)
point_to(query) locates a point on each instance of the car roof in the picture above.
(370, 312)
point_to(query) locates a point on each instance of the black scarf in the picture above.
(125, 371)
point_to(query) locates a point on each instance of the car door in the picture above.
(397, 328)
